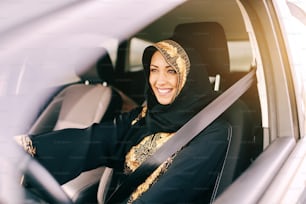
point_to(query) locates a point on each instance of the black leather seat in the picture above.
(209, 39)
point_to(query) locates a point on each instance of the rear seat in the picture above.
(91, 100)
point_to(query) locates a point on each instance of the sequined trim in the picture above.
(142, 114)
(140, 153)
(26, 142)
(153, 178)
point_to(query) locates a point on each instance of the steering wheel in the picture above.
(15, 160)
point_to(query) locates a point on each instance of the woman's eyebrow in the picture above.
(153, 65)
(168, 66)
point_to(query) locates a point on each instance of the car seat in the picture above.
(78, 105)
(209, 39)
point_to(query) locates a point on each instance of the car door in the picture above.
(274, 176)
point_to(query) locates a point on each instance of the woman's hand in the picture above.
(26, 142)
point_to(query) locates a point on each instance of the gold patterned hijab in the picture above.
(195, 90)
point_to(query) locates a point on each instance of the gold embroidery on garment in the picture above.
(26, 142)
(142, 114)
(139, 154)
(150, 180)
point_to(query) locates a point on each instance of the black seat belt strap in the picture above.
(185, 134)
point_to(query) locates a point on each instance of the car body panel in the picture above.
(250, 186)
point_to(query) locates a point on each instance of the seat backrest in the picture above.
(209, 39)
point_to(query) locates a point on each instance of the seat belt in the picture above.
(182, 137)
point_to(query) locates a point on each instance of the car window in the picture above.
(293, 23)
(240, 54)
(137, 46)
(298, 9)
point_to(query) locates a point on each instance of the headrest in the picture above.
(105, 69)
(102, 71)
(208, 38)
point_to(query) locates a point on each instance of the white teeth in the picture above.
(163, 91)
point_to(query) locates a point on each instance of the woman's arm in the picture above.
(66, 153)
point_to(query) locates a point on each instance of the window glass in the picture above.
(292, 15)
(137, 46)
(240, 54)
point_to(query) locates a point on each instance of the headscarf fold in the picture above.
(195, 90)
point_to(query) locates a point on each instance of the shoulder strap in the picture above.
(185, 134)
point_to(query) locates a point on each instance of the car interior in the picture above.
(95, 100)
(110, 87)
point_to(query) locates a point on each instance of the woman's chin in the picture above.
(164, 100)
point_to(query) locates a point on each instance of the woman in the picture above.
(177, 88)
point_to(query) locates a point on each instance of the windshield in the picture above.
(42, 46)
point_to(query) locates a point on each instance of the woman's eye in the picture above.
(153, 69)
(172, 71)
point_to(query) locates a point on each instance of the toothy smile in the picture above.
(164, 91)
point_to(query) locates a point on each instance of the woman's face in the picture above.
(163, 79)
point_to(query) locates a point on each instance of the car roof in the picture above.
(225, 12)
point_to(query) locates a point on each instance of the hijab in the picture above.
(195, 90)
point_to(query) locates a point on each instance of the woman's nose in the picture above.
(162, 78)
